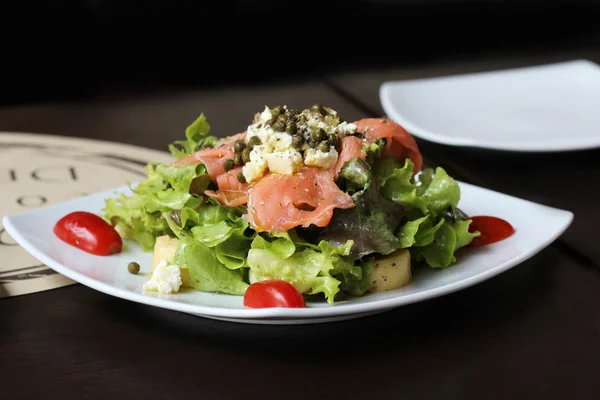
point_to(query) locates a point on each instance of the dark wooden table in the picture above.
(532, 332)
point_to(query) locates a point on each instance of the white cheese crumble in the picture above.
(285, 162)
(276, 152)
(347, 128)
(317, 158)
(165, 279)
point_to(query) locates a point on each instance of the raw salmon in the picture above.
(213, 158)
(280, 202)
(400, 144)
(231, 192)
(351, 148)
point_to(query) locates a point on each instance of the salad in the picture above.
(329, 207)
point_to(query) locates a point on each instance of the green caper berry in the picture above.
(277, 126)
(291, 113)
(133, 267)
(176, 217)
(319, 135)
(291, 127)
(254, 141)
(239, 145)
(228, 164)
(323, 147)
(297, 141)
(276, 110)
(241, 178)
(318, 108)
(333, 139)
(237, 159)
(246, 155)
(311, 143)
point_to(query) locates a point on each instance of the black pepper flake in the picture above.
(393, 264)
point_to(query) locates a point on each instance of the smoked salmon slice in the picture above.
(231, 193)
(400, 144)
(213, 158)
(280, 202)
(351, 148)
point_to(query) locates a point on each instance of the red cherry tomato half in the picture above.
(273, 293)
(89, 233)
(492, 230)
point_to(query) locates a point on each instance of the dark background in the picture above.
(64, 50)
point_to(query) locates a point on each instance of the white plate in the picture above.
(536, 227)
(551, 107)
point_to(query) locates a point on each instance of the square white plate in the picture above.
(536, 227)
(550, 107)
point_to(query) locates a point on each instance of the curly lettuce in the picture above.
(139, 216)
(196, 138)
(434, 228)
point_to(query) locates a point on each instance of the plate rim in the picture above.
(286, 313)
(532, 146)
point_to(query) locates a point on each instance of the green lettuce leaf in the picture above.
(207, 272)
(434, 227)
(354, 277)
(197, 138)
(433, 191)
(215, 226)
(447, 238)
(140, 216)
(372, 222)
(308, 267)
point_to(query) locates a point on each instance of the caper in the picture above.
(254, 141)
(228, 164)
(133, 267)
(176, 216)
(297, 141)
(246, 155)
(318, 108)
(241, 178)
(323, 147)
(319, 135)
(290, 113)
(278, 126)
(333, 139)
(276, 110)
(291, 127)
(237, 159)
(239, 145)
(311, 143)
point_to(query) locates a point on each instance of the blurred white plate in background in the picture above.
(553, 107)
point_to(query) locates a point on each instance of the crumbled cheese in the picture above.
(317, 158)
(276, 152)
(347, 128)
(257, 166)
(165, 279)
(285, 162)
